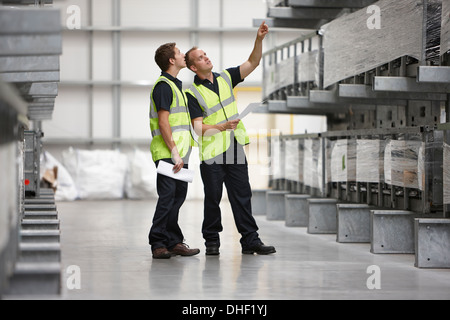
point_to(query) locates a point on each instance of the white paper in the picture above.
(250, 108)
(166, 169)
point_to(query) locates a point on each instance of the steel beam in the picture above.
(281, 106)
(34, 44)
(366, 92)
(303, 105)
(303, 13)
(404, 84)
(291, 23)
(40, 113)
(372, 132)
(26, 2)
(29, 63)
(36, 278)
(30, 77)
(42, 101)
(43, 89)
(40, 252)
(323, 96)
(433, 74)
(29, 21)
(331, 3)
(40, 236)
(277, 106)
(299, 102)
(332, 97)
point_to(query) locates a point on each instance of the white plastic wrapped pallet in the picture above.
(351, 47)
(368, 161)
(308, 163)
(292, 165)
(404, 164)
(301, 159)
(312, 164)
(339, 161)
(351, 159)
(277, 158)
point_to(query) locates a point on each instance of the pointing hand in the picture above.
(263, 30)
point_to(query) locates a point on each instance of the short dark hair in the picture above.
(187, 57)
(163, 54)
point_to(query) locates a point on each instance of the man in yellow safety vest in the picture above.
(170, 126)
(215, 118)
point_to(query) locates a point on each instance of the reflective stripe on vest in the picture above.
(216, 113)
(179, 121)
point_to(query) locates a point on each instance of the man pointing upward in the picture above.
(215, 118)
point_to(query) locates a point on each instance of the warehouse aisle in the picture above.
(107, 242)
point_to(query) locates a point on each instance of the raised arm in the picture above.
(255, 57)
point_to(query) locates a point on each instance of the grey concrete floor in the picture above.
(107, 240)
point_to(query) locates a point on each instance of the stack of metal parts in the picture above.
(30, 46)
(384, 86)
(30, 49)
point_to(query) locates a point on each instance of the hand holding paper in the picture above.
(177, 160)
(166, 169)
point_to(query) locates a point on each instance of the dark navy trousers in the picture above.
(165, 231)
(231, 169)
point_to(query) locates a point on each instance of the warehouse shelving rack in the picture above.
(405, 100)
(30, 46)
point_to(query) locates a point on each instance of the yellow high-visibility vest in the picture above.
(180, 123)
(218, 109)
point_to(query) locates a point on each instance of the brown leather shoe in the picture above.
(182, 249)
(161, 253)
